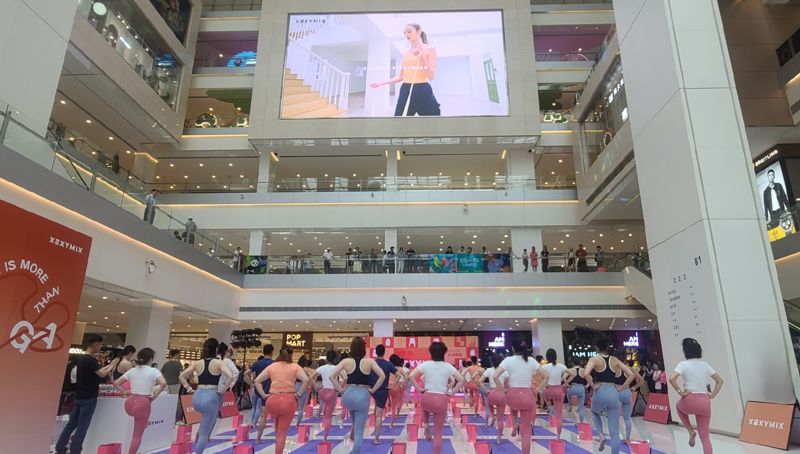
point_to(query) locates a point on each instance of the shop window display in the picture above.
(124, 29)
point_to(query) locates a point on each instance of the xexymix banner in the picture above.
(42, 268)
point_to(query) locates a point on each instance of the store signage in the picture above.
(767, 424)
(763, 159)
(657, 408)
(300, 341)
(632, 341)
(498, 342)
(42, 270)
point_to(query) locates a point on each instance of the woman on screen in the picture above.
(418, 69)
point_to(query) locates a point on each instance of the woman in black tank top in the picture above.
(576, 393)
(600, 373)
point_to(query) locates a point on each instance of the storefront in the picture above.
(639, 346)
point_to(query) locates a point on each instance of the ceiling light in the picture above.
(186, 176)
(230, 164)
(122, 313)
(213, 176)
(110, 138)
(630, 234)
(354, 175)
(88, 122)
(560, 161)
(241, 176)
(469, 173)
(210, 109)
(201, 164)
(172, 165)
(601, 235)
(63, 102)
(220, 55)
(89, 306)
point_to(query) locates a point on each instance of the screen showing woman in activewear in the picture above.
(383, 65)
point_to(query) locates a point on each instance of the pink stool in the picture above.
(324, 448)
(639, 447)
(472, 433)
(585, 431)
(243, 449)
(185, 434)
(418, 419)
(413, 431)
(309, 411)
(557, 446)
(236, 421)
(482, 447)
(398, 448)
(302, 434)
(111, 448)
(241, 434)
(372, 420)
(464, 420)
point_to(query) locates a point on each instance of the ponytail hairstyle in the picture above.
(551, 355)
(144, 356)
(210, 347)
(520, 347)
(422, 35)
(285, 355)
(222, 350)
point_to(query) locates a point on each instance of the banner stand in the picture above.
(768, 424)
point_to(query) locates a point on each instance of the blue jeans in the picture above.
(578, 391)
(79, 421)
(258, 404)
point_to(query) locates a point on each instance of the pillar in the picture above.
(519, 163)
(77, 335)
(265, 171)
(383, 328)
(221, 329)
(144, 167)
(708, 247)
(256, 243)
(149, 326)
(524, 238)
(391, 170)
(376, 100)
(41, 29)
(390, 239)
(546, 333)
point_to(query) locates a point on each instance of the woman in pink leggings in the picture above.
(436, 375)
(282, 399)
(695, 395)
(397, 389)
(146, 383)
(496, 397)
(519, 395)
(327, 394)
(554, 388)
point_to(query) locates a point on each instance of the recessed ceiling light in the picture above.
(89, 306)
(241, 176)
(213, 176)
(88, 122)
(560, 161)
(110, 138)
(201, 164)
(230, 164)
(63, 102)
(172, 165)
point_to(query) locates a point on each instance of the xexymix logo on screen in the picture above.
(378, 65)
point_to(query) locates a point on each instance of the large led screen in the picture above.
(776, 201)
(378, 65)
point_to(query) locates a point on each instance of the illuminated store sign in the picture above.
(499, 341)
(632, 341)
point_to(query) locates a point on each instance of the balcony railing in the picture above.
(441, 263)
(113, 183)
(231, 5)
(589, 57)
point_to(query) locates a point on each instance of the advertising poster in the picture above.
(442, 263)
(470, 263)
(776, 201)
(383, 65)
(228, 408)
(42, 268)
(255, 264)
(657, 408)
(767, 424)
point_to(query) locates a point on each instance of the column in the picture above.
(221, 329)
(149, 326)
(383, 328)
(265, 171)
(376, 100)
(546, 333)
(41, 29)
(520, 170)
(524, 238)
(391, 170)
(256, 243)
(390, 239)
(713, 271)
(77, 335)
(144, 167)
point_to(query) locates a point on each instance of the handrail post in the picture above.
(4, 126)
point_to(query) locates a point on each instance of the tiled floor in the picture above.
(664, 439)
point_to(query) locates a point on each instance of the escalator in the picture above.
(793, 318)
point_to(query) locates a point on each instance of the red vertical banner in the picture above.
(657, 408)
(42, 268)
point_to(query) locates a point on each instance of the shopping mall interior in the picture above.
(597, 184)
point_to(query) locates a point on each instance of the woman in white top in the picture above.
(146, 384)
(695, 395)
(436, 375)
(327, 394)
(497, 398)
(657, 372)
(519, 395)
(554, 390)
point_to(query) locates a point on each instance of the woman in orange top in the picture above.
(281, 402)
(475, 372)
(418, 69)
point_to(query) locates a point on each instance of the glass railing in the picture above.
(375, 184)
(245, 59)
(441, 263)
(589, 57)
(150, 60)
(640, 261)
(213, 121)
(116, 185)
(231, 5)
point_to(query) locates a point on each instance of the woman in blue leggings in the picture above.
(601, 372)
(626, 397)
(357, 390)
(207, 398)
(577, 388)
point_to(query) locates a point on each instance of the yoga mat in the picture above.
(212, 443)
(569, 448)
(389, 431)
(368, 447)
(312, 420)
(506, 447)
(311, 447)
(256, 447)
(424, 446)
